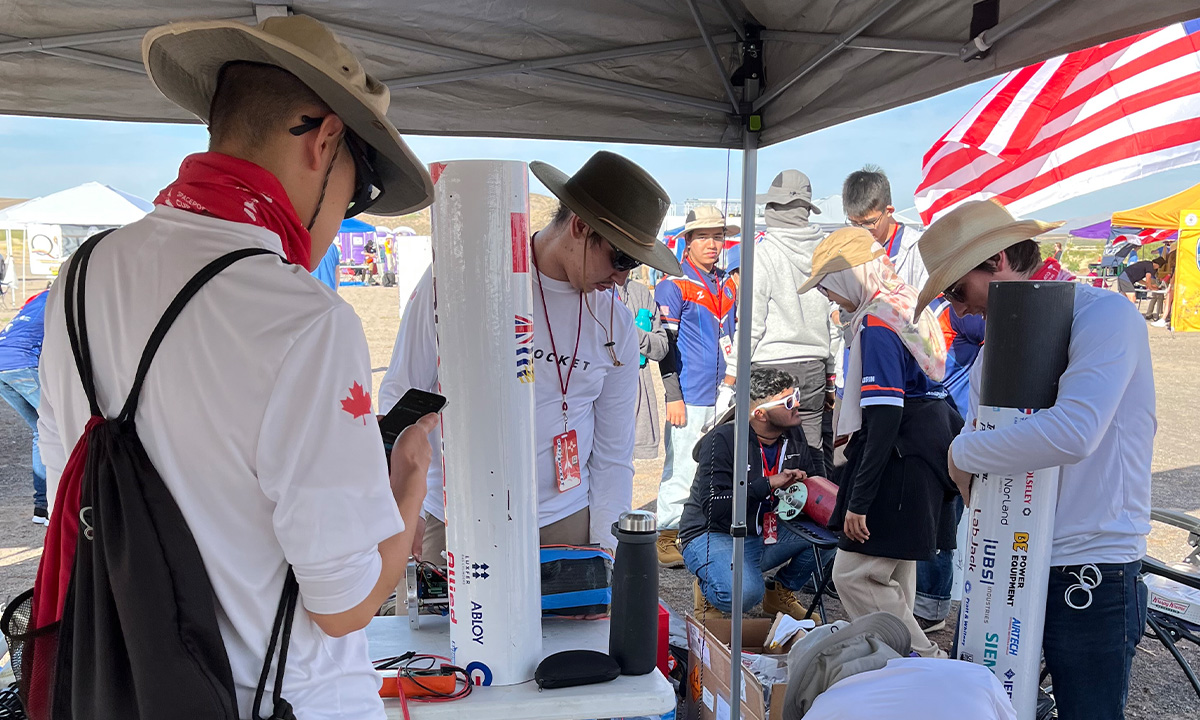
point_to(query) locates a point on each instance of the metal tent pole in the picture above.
(741, 442)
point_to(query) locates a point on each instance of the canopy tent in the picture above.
(1179, 213)
(55, 225)
(1160, 213)
(710, 73)
(608, 70)
(89, 204)
(352, 240)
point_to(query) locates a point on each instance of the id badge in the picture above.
(726, 345)
(566, 461)
(770, 530)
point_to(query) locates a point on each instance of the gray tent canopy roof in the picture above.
(645, 71)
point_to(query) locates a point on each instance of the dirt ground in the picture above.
(1158, 689)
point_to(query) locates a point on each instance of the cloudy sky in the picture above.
(41, 155)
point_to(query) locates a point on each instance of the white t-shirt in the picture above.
(1100, 430)
(242, 414)
(601, 398)
(916, 689)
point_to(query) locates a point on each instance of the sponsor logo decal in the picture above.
(479, 673)
(524, 336)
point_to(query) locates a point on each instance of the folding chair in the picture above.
(821, 539)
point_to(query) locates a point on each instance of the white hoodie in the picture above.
(787, 327)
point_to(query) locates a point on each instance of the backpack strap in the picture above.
(76, 316)
(281, 635)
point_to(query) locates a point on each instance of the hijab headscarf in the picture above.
(876, 289)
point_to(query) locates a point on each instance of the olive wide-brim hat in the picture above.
(184, 60)
(959, 241)
(619, 200)
(842, 249)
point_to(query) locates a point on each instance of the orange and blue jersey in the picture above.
(964, 339)
(890, 374)
(697, 310)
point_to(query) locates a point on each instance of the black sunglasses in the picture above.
(955, 293)
(622, 262)
(368, 187)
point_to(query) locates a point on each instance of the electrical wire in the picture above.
(405, 669)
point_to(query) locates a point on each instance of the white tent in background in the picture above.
(88, 204)
(55, 225)
(701, 73)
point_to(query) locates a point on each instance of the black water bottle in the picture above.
(633, 629)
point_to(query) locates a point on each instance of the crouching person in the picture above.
(779, 457)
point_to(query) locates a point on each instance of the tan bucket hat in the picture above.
(963, 238)
(708, 217)
(842, 249)
(619, 200)
(183, 61)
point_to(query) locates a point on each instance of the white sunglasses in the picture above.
(790, 402)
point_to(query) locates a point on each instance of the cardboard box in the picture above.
(709, 657)
(1173, 598)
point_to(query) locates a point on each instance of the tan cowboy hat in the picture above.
(619, 200)
(841, 250)
(184, 59)
(965, 237)
(707, 217)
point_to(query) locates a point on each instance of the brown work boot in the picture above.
(702, 609)
(668, 549)
(779, 599)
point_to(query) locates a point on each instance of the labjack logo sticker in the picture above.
(524, 335)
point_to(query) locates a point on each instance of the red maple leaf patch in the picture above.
(358, 404)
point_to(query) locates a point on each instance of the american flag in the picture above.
(1072, 124)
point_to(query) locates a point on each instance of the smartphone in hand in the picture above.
(415, 405)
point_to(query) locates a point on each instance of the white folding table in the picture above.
(627, 696)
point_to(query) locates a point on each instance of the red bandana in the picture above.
(237, 190)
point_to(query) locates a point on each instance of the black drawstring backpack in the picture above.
(138, 635)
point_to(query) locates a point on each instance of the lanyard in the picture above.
(896, 230)
(769, 470)
(562, 384)
(719, 294)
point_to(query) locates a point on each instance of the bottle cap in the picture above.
(639, 521)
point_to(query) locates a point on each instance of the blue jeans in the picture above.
(935, 580)
(1089, 651)
(710, 558)
(21, 389)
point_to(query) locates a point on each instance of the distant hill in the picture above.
(9, 202)
(541, 210)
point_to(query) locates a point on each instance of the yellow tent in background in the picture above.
(1180, 211)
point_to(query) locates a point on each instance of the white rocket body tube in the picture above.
(1009, 532)
(1011, 519)
(484, 306)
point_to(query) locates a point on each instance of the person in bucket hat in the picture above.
(894, 488)
(1100, 431)
(698, 305)
(798, 339)
(585, 349)
(256, 410)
